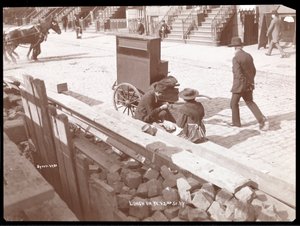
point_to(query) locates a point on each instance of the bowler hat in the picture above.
(235, 41)
(188, 94)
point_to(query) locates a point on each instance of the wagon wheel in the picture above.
(126, 98)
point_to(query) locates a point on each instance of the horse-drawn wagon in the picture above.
(139, 68)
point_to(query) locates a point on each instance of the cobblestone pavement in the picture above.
(89, 68)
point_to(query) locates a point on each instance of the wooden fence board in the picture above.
(82, 173)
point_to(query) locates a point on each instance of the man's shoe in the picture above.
(264, 125)
(268, 54)
(233, 125)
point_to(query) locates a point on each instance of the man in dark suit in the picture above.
(150, 109)
(243, 85)
(274, 31)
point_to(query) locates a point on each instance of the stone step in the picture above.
(199, 37)
(202, 42)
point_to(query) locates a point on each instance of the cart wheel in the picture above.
(126, 98)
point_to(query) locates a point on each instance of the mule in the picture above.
(33, 35)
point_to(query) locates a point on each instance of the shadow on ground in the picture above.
(231, 140)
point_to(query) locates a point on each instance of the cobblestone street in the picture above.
(89, 68)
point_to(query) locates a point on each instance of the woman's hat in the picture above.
(188, 94)
(235, 41)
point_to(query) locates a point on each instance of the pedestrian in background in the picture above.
(164, 29)
(274, 30)
(78, 28)
(140, 27)
(65, 22)
(243, 85)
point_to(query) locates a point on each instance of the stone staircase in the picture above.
(201, 34)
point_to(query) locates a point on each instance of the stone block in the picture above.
(157, 203)
(244, 212)
(202, 201)
(223, 196)
(183, 213)
(154, 188)
(142, 190)
(113, 177)
(176, 219)
(151, 174)
(258, 205)
(195, 184)
(197, 215)
(148, 219)
(165, 172)
(123, 202)
(132, 164)
(268, 214)
(170, 194)
(246, 194)
(217, 212)
(132, 192)
(183, 190)
(15, 130)
(115, 168)
(138, 208)
(159, 216)
(125, 190)
(124, 172)
(133, 179)
(117, 186)
(171, 181)
(131, 218)
(171, 212)
(94, 168)
(209, 189)
(230, 208)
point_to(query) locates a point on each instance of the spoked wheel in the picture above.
(126, 98)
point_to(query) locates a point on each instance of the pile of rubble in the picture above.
(146, 194)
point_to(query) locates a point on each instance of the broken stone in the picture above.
(268, 214)
(131, 218)
(125, 190)
(132, 164)
(133, 179)
(170, 194)
(151, 174)
(124, 172)
(117, 186)
(165, 172)
(183, 187)
(171, 212)
(123, 201)
(201, 201)
(246, 194)
(159, 216)
(171, 181)
(138, 208)
(230, 208)
(209, 189)
(183, 212)
(142, 190)
(113, 177)
(175, 219)
(257, 205)
(193, 183)
(154, 188)
(94, 169)
(132, 192)
(197, 215)
(157, 203)
(148, 219)
(217, 212)
(244, 212)
(115, 168)
(223, 196)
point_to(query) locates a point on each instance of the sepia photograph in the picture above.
(157, 113)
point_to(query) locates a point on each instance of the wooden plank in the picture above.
(209, 171)
(103, 199)
(66, 147)
(39, 90)
(60, 159)
(24, 187)
(82, 173)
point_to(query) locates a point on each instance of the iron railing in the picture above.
(224, 13)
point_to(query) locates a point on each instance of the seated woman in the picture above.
(189, 117)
